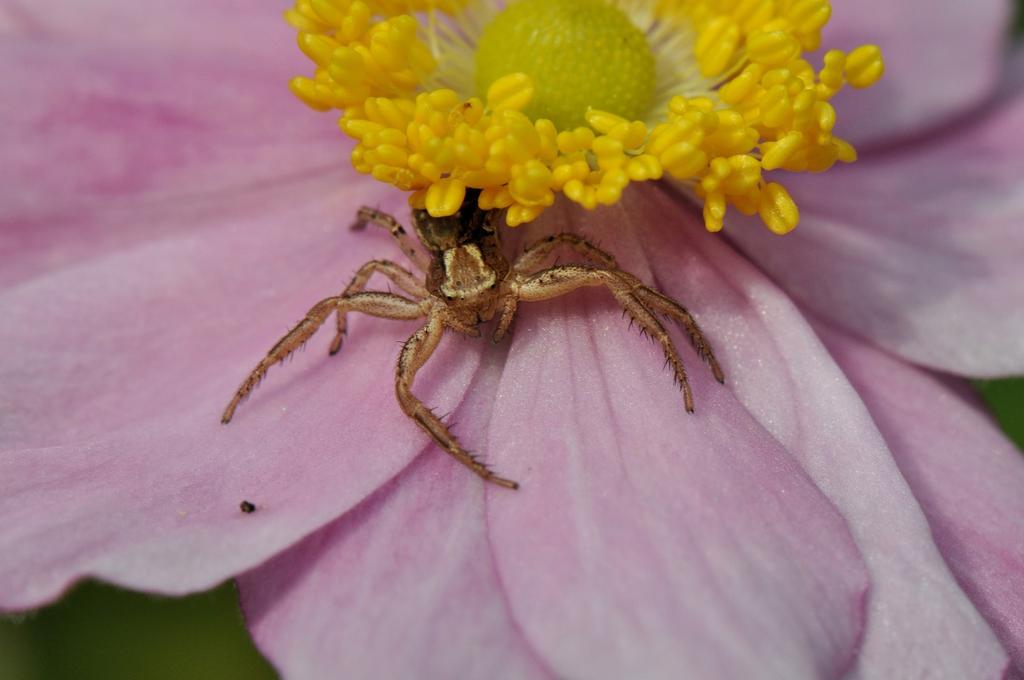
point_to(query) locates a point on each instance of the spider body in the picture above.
(467, 281)
(466, 265)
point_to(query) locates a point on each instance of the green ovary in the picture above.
(580, 54)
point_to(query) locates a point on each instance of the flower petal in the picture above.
(939, 64)
(402, 586)
(645, 541)
(228, 29)
(1012, 83)
(114, 463)
(105, 146)
(918, 251)
(660, 540)
(967, 476)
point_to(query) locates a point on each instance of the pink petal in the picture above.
(402, 586)
(941, 62)
(226, 30)
(114, 375)
(918, 251)
(656, 537)
(1013, 80)
(968, 477)
(138, 144)
(668, 543)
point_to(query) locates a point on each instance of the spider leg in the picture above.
(372, 216)
(383, 305)
(675, 311)
(558, 281)
(535, 255)
(401, 277)
(509, 303)
(416, 351)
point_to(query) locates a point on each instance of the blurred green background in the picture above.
(98, 632)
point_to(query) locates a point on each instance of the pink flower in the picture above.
(835, 510)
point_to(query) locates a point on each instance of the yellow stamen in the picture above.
(582, 97)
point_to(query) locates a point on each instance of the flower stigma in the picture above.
(531, 98)
(589, 55)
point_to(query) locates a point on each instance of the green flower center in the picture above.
(580, 54)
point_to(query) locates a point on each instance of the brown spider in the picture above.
(469, 281)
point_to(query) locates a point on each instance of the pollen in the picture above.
(529, 99)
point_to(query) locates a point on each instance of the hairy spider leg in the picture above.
(415, 352)
(384, 305)
(368, 215)
(509, 303)
(399, 275)
(675, 311)
(558, 281)
(534, 256)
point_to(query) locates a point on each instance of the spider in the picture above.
(465, 282)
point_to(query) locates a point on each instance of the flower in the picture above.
(708, 92)
(835, 507)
